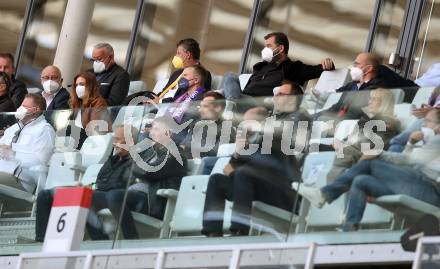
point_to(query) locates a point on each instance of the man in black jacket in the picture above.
(367, 73)
(17, 90)
(250, 177)
(187, 54)
(56, 96)
(120, 171)
(113, 79)
(275, 67)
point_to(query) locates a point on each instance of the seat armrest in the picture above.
(39, 169)
(168, 193)
(78, 168)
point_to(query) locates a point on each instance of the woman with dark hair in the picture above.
(87, 105)
(6, 104)
(85, 98)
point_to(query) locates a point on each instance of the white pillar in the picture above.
(73, 37)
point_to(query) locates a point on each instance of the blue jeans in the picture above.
(231, 86)
(208, 164)
(378, 178)
(398, 143)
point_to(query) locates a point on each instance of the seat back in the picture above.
(422, 96)
(330, 81)
(64, 144)
(244, 78)
(136, 86)
(160, 84)
(220, 165)
(188, 214)
(316, 168)
(345, 128)
(332, 99)
(34, 90)
(399, 95)
(59, 173)
(91, 174)
(132, 115)
(226, 150)
(96, 149)
(404, 113)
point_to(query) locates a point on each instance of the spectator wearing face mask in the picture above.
(17, 90)
(367, 73)
(187, 54)
(275, 67)
(414, 172)
(87, 105)
(6, 103)
(55, 95)
(191, 84)
(113, 80)
(27, 143)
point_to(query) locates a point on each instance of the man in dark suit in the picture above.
(17, 90)
(113, 80)
(57, 97)
(367, 73)
(187, 54)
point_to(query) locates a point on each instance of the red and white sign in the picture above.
(65, 230)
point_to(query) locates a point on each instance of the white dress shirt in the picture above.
(34, 146)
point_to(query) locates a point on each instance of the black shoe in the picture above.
(239, 233)
(214, 235)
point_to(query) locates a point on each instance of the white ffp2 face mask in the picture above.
(356, 73)
(98, 67)
(51, 86)
(21, 113)
(267, 54)
(80, 91)
(428, 133)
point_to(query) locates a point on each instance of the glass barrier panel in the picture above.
(311, 27)
(271, 169)
(111, 23)
(220, 28)
(10, 27)
(41, 40)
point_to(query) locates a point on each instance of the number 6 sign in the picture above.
(67, 220)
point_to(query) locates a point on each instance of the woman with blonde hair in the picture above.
(380, 108)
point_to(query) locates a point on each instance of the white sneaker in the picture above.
(313, 194)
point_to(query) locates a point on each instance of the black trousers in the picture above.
(242, 187)
(136, 201)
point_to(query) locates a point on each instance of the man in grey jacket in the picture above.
(414, 172)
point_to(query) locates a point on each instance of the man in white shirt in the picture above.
(29, 142)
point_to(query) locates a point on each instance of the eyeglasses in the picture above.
(99, 59)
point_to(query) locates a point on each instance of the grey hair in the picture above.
(107, 46)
